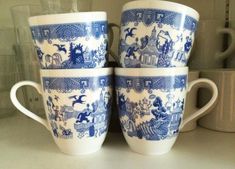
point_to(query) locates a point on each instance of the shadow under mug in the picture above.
(77, 105)
(151, 103)
(156, 34)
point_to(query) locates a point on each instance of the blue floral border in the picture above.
(151, 83)
(73, 83)
(68, 32)
(150, 16)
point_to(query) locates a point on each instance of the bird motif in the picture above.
(129, 32)
(77, 99)
(60, 48)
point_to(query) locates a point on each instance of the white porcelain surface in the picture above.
(222, 116)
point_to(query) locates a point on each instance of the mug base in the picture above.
(74, 153)
(80, 146)
(149, 147)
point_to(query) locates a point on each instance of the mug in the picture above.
(191, 102)
(156, 34)
(72, 40)
(209, 43)
(151, 102)
(77, 105)
(222, 116)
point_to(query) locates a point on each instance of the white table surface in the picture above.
(25, 144)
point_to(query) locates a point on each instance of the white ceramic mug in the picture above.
(71, 40)
(222, 116)
(151, 103)
(208, 51)
(77, 105)
(156, 34)
(191, 102)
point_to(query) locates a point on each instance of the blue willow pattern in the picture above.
(91, 121)
(70, 46)
(151, 16)
(69, 32)
(161, 117)
(160, 47)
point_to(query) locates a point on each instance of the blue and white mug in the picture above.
(72, 40)
(156, 34)
(151, 103)
(77, 105)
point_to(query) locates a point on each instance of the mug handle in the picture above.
(21, 108)
(202, 82)
(231, 48)
(111, 38)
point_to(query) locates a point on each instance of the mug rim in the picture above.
(76, 72)
(164, 5)
(77, 17)
(147, 72)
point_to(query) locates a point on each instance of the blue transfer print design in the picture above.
(63, 85)
(76, 56)
(154, 50)
(151, 16)
(70, 46)
(91, 121)
(69, 32)
(150, 117)
(164, 83)
(166, 42)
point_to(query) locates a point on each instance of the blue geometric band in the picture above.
(150, 16)
(69, 32)
(69, 84)
(151, 83)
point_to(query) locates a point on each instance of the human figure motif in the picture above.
(159, 111)
(122, 102)
(66, 132)
(50, 104)
(55, 132)
(39, 53)
(131, 52)
(58, 115)
(56, 59)
(83, 117)
(144, 42)
(188, 44)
